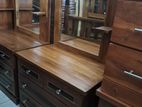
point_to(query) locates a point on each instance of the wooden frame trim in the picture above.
(44, 21)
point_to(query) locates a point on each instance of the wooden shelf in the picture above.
(7, 9)
(26, 9)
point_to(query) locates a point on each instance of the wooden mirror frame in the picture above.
(45, 20)
(106, 29)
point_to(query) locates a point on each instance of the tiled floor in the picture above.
(5, 101)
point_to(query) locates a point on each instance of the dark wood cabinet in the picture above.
(122, 84)
(51, 82)
(127, 27)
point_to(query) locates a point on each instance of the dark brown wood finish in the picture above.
(127, 19)
(66, 76)
(11, 42)
(121, 86)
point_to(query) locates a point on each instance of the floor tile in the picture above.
(5, 101)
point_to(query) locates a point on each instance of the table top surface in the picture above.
(17, 41)
(76, 70)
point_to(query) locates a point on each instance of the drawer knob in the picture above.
(132, 74)
(28, 72)
(24, 86)
(138, 29)
(24, 101)
(58, 92)
(8, 86)
(6, 72)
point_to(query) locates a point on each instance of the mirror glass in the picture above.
(28, 15)
(79, 18)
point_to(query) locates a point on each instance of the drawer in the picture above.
(26, 101)
(127, 27)
(124, 66)
(6, 71)
(62, 91)
(7, 57)
(39, 94)
(8, 85)
(31, 72)
(121, 93)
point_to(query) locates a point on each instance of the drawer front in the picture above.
(6, 71)
(62, 91)
(39, 94)
(122, 93)
(7, 57)
(8, 85)
(127, 28)
(26, 101)
(124, 65)
(30, 72)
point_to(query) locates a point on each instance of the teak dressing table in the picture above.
(38, 74)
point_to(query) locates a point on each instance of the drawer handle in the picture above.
(24, 86)
(138, 29)
(4, 56)
(6, 72)
(28, 72)
(8, 86)
(58, 92)
(24, 101)
(131, 73)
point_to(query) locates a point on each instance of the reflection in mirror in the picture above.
(28, 15)
(79, 19)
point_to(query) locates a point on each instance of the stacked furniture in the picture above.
(11, 42)
(52, 77)
(122, 84)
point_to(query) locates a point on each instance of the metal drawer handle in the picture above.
(8, 86)
(28, 72)
(138, 29)
(58, 92)
(24, 101)
(131, 73)
(3, 55)
(24, 86)
(6, 72)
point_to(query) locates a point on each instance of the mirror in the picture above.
(79, 20)
(28, 18)
(33, 17)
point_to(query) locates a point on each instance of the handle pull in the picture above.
(24, 86)
(131, 73)
(4, 56)
(138, 29)
(58, 92)
(6, 72)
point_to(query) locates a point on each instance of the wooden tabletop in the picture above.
(74, 69)
(16, 41)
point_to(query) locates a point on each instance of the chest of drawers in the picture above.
(58, 77)
(10, 43)
(122, 84)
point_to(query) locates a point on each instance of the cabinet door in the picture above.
(39, 94)
(127, 27)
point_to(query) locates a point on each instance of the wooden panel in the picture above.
(108, 100)
(6, 20)
(37, 93)
(7, 84)
(6, 3)
(121, 60)
(16, 41)
(7, 57)
(31, 72)
(122, 93)
(71, 68)
(6, 71)
(127, 18)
